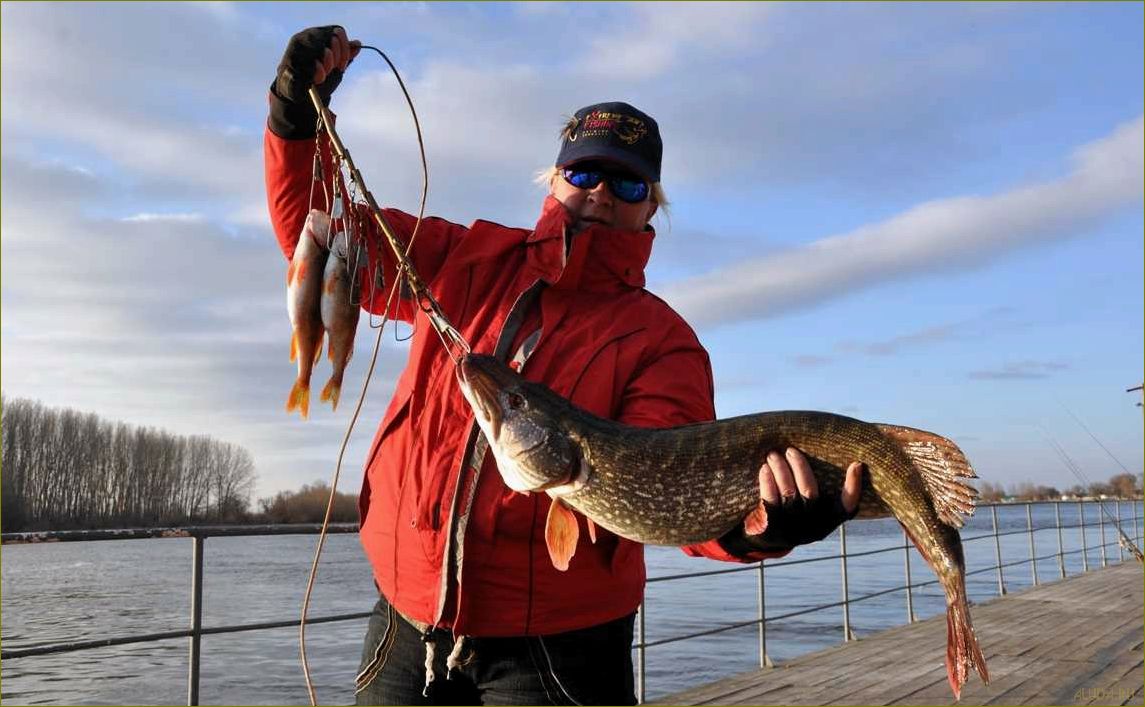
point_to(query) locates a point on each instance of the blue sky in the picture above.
(928, 214)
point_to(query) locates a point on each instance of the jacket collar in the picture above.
(601, 259)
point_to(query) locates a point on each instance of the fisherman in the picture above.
(471, 610)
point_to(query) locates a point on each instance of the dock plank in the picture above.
(1074, 641)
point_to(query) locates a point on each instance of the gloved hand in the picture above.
(317, 56)
(791, 511)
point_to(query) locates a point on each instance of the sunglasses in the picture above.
(626, 187)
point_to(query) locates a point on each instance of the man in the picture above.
(468, 591)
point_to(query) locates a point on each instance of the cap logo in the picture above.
(628, 129)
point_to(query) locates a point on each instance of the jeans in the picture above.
(591, 666)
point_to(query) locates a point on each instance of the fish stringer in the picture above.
(455, 344)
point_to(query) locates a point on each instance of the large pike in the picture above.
(693, 483)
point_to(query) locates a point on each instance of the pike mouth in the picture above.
(481, 392)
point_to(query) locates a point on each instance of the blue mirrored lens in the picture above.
(583, 179)
(632, 191)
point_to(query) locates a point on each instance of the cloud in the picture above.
(1021, 370)
(169, 320)
(941, 235)
(655, 39)
(974, 327)
(810, 360)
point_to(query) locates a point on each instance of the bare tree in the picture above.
(63, 468)
(1123, 485)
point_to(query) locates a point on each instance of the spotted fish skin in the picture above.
(693, 483)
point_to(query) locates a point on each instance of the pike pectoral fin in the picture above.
(940, 463)
(591, 529)
(561, 534)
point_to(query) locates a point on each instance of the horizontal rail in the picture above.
(166, 635)
(199, 531)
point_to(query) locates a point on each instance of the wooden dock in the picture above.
(1072, 642)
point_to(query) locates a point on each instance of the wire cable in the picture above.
(401, 269)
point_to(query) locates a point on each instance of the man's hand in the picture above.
(784, 476)
(314, 57)
(317, 56)
(791, 511)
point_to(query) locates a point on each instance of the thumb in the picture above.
(852, 486)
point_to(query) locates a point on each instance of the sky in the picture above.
(923, 214)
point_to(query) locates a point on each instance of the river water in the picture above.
(59, 592)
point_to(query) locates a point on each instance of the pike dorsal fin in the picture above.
(940, 463)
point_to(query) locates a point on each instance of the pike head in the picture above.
(525, 423)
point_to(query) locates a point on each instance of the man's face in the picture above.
(600, 205)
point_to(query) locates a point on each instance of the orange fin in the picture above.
(962, 649)
(591, 529)
(940, 463)
(318, 349)
(561, 534)
(293, 347)
(331, 392)
(756, 521)
(290, 273)
(299, 399)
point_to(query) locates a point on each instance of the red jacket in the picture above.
(607, 344)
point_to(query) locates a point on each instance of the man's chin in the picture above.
(581, 224)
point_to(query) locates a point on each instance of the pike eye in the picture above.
(516, 402)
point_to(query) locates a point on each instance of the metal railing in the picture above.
(200, 534)
(762, 618)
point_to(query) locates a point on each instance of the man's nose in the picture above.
(601, 193)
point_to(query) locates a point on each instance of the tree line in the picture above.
(1118, 486)
(65, 469)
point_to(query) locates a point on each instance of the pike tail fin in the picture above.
(299, 399)
(962, 650)
(941, 464)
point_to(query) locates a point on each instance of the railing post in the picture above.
(640, 650)
(1101, 527)
(1133, 505)
(764, 658)
(998, 552)
(847, 636)
(1084, 544)
(1061, 553)
(196, 618)
(1033, 555)
(909, 588)
(1120, 543)
(1136, 536)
